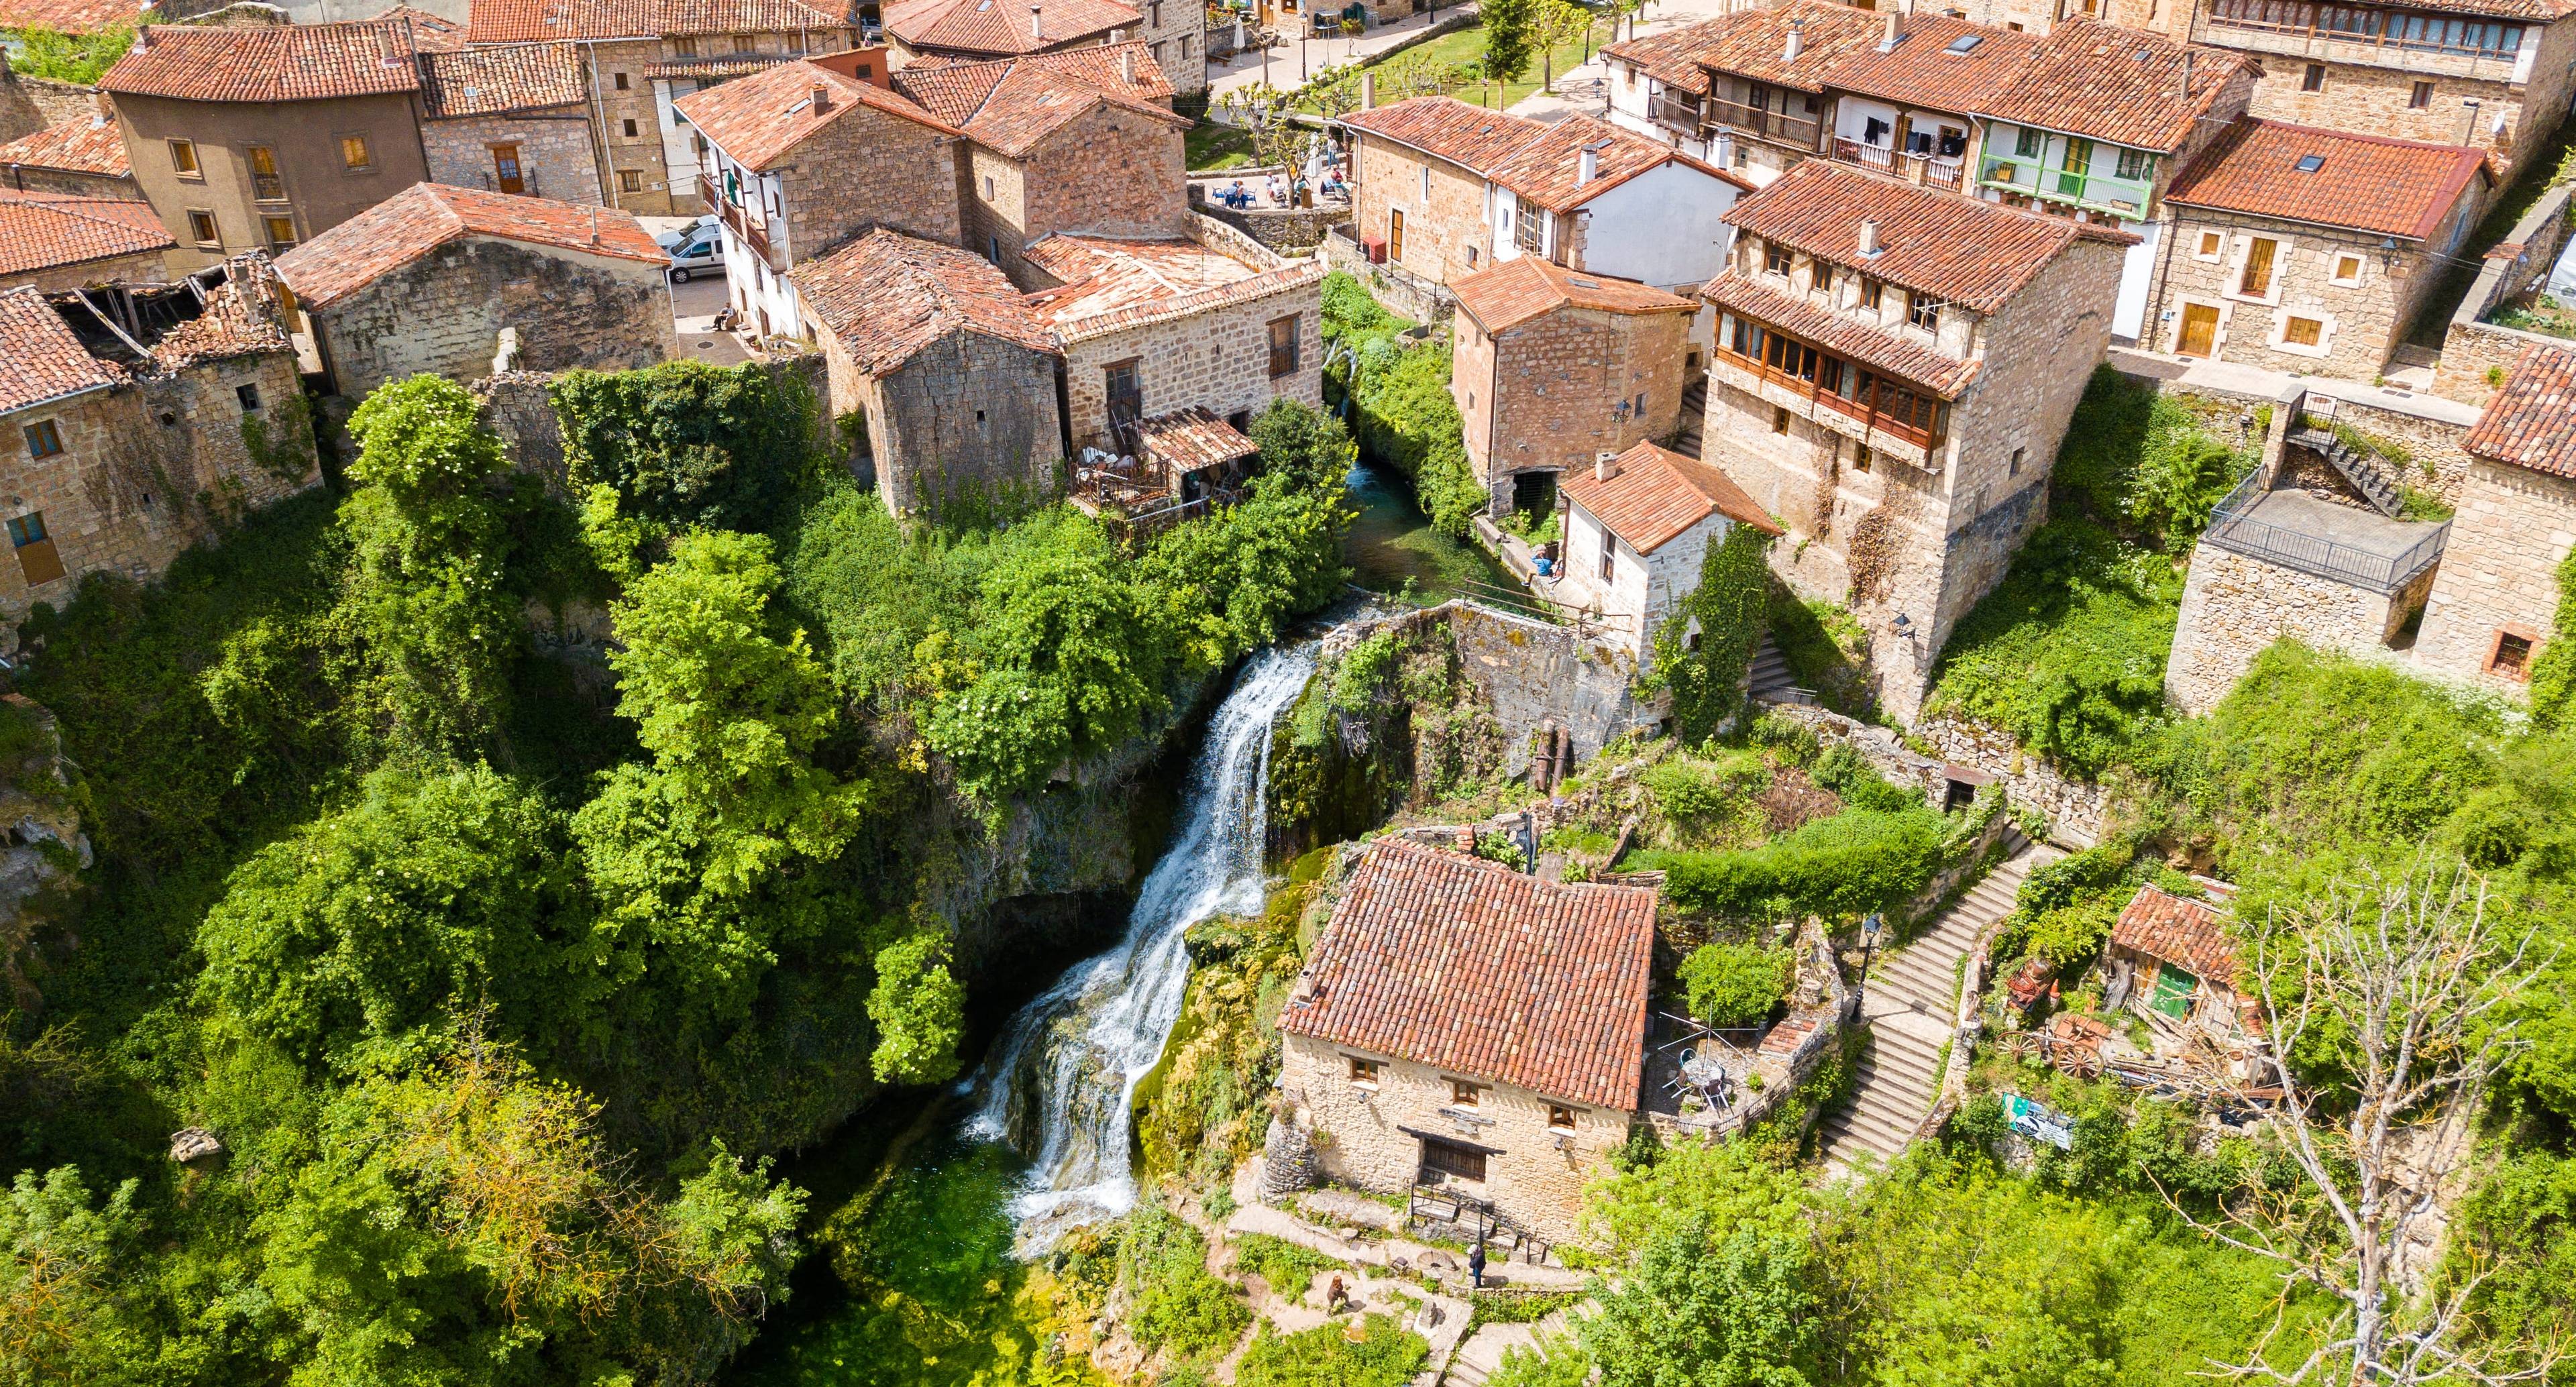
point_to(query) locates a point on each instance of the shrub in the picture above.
(1733, 985)
(1176, 1305)
(686, 443)
(1848, 774)
(1705, 674)
(1384, 1355)
(1287, 1267)
(1707, 796)
(1855, 862)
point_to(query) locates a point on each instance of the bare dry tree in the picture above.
(2410, 983)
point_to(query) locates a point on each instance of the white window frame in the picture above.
(2281, 331)
(2282, 249)
(2203, 236)
(2334, 265)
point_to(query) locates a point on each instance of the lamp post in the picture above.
(1869, 927)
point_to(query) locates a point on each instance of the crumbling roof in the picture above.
(2115, 84)
(527, 21)
(2271, 168)
(1193, 440)
(1003, 26)
(886, 296)
(1755, 43)
(42, 231)
(41, 358)
(1011, 105)
(1513, 291)
(1539, 160)
(425, 216)
(1468, 966)
(756, 120)
(294, 62)
(2531, 422)
(513, 77)
(1976, 254)
(2189, 934)
(1112, 283)
(1874, 347)
(89, 144)
(68, 16)
(1654, 496)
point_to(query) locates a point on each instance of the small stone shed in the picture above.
(430, 278)
(1638, 528)
(2496, 595)
(2170, 957)
(1467, 1030)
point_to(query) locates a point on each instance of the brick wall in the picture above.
(443, 313)
(2360, 323)
(555, 154)
(2499, 570)
(1541, 395)
(1218, 358)
(866, 169)
(1439, 230)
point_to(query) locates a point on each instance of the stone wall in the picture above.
(1541, 395)
(146, 268)
(556, 159)
(2076, 810)
(443, 313)
(2234, 606)
(968, 416)
(516, 406)
(865, 169)
(1529, 672)
(1401, 290)
(1276, 228)
(1218, 358)
(1445, 235)
(2499, 572)
(2475, 352)
(29, 104)
(2359, 323)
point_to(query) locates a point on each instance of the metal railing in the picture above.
(2233, 528)
(2126, 196)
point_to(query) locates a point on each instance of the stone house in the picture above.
(1173, 32)
(644, 56)
(1894, 369)
(260, 139)
(431, 279)
(513, 119)
(1461, 1026)
(1442, 189)
(1638, 528)
(1745, 91)
(954, 372)
(54, 242)
(2493, 602)
(1211, 320)
(81, 157)
(2170, 957)
(1551, 369)
(2493, 74)
(124, 447)
(2308, 250)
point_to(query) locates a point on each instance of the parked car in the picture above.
(701, 252)
(671, 239)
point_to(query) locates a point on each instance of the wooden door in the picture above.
(2258, 268)
(1395, 234)
(37, 560)
(2173, 994)
(1442, 1160)
(2199, 330)
(506, 175)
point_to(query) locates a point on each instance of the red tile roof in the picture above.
(1471, 136)
(514, 77)
(1468, 966)
(429, 33)
(296, 62)
(718, 68)
(2363, 182)
(1968, 252)
(1193, 440)
(1654, 496)
(2116, 84)
(886, 296)
(1754, 43)
(1002, 26)
(1540, 161)
(425, 216)
(1923, 71)
(40, 231)
(2189, 934)
(757, 120)
(1110, 284)
(2531, 422)
(1516, 290)
(91, 144)
(41, 359)
(750, 16)
(526, 21)
(1096, 64)
(69, 16)
(1013, 104)
(1874, 347)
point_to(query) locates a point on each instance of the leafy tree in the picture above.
(1303, 447)
(1734, 984)
(64, 1315)
(1701, 1310)
(1229, 584)
(686, 443)
(1511, 37)
(1553, 1361)
(919, 1010)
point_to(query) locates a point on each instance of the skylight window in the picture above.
(1581, 283)
(1965, 42)
(2310, 163)
(801, 105)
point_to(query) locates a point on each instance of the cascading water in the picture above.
(1058, 1085)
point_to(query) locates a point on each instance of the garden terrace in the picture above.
(2345, 544)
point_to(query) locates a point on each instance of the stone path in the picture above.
(2229, 377)
(1483, 1351)
(1909, 1006)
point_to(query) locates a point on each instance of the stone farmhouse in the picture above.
(137, 420)
(452, 280)
(954, 371)
(1462, 1028)
(1638, 528)
(260, 139)
(1551, 369)
(57, 242)
(1745, 91)
(2308, 250)
(2494, 74)
(2492, 603)
(1895, 368)
(514, 119)
(1443, 189)
(1172, 32)
(644, 57)
(81, 157)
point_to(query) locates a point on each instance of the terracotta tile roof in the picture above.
(1548, 168)
(2115, 84)
(1013, 104)
(526, 21)
(1470, 136)
(1516, 290)
(1874, 347)
(757, 120)
(2531, 422)
(886, 296)
(514, 77)
(68, 16)
(2189, 934)
(39, 231)
(718, 68)
(1110, 284)
(1754, 43)
(429, 33)
(1193, 440)
(1002, 26)
(41, 359)
(1654, 496)
(425, 216)
(1468, 966)
(749, 16)
(1973, 253)
(91, 144)
(296, 62)
(1923, 71)
(2364, 182)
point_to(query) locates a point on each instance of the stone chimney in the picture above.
(1037, 26)
(1604, 466)
(1895, 31)
(822, 98)
(1869, 246)
(1368, 91)
(2186, 72)
(1797, 41)
(1127, 66)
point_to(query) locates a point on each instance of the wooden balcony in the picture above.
(1860, 407)
(1931, 170)
(1779, 127)
(752, 233)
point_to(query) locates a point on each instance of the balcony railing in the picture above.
(2370, 27)
(1779, 127)
(753, 234)
(2233, 528)
(1934, 170)
(1675, 111)
(2124, 196)
(1858, 411)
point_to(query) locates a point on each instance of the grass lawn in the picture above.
(1212, 144)
(1468, 45)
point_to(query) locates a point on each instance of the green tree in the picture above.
(64, 1315)
(1703, 1310)
(1734, 984)
(686, 443)
(1303, 446)
(919, 1010)
(1511, 37)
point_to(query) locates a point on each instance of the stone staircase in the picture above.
(1694, 418)
(2354, 466)
(1908, 1006)
(1769, 680)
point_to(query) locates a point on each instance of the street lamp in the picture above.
(1869, 927)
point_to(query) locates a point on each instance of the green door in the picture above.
(2173, 992)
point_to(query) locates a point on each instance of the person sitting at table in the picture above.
(1238, 196)
(1277, 191)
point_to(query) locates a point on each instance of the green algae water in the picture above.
(1393, 541)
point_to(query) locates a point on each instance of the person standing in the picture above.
(1476, 1266)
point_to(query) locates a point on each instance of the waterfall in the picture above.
(1058, 1084)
